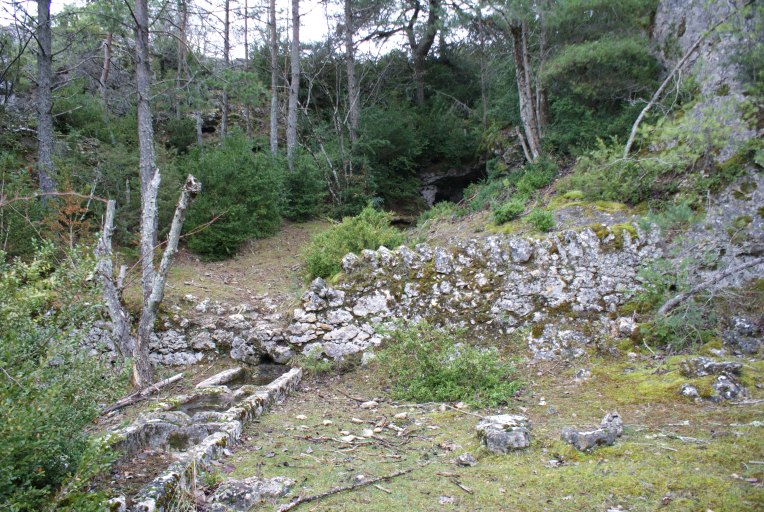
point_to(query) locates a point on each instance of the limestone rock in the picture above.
(505, 432)
(702, 366)
(241, 495)
(466, 459)
(689, 391)
(610, 429)
(727, 389)
(744, 335)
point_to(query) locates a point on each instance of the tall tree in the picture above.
(354, 107)
(247, 110)
(274, 54)
(45, 139)
(528, 112)
(142, 371)
(421, 48)
(226, 63)
(294, 85)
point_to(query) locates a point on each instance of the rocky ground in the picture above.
(692, 435)
(674, 454)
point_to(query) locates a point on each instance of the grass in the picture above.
(649, 468)
(268, 266)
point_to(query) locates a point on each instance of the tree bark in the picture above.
(143, 374)
(106, 67)
(354, 107)
(142, 369)
(294, 85)
(45, 138)
(420, 49)
(274, 50)
(112, 289)
(247, 111)
(518, 30)
(226, 62)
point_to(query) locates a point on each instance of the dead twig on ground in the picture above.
(335, 490)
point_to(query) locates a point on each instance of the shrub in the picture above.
(51, 386)
(441, 210)
(508, 211)
(241, 186)
(368, 230)
(542, 220)
(426, 364)
(181, 134)
(305, 190)
(536, 175)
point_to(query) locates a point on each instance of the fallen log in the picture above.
(141, 395)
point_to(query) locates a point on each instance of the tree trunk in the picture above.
(483, 71)
(45, 139)
(518, 31)
(199, 125)
(420, 49)
(112, 288)
(274, 47)
(226, 61)
(247, 111)
(354, 107)
(106, 67)
(142, 370)
(294, 85)
(143, 374)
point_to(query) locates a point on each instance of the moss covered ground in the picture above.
(675, 454)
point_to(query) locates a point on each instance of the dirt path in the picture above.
(271, 267)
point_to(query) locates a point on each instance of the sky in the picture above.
(313, 20)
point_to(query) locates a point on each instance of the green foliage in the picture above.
(509, 210)
(304, 188)
(368, 230)
(426, 364)
(682, 163)
(390, 146)
(439, 211)
(602, 71)
(50, 388)
(541, 220)
(180, 134)
(241, 186)
(535, 175)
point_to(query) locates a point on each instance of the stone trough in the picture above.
(197, 428)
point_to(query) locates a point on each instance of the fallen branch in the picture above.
(678, 299)
(335, 490)
(141, 395)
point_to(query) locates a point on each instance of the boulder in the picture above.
(505, 432)
(702, 366)
(241, 495)
(610, 429)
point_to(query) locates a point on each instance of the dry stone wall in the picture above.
(492, 286)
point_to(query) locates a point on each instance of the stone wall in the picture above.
(492, 286)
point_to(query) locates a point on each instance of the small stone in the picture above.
(466, 459)
(689, 390)
(367, 432)
(301, 417)
(446, 500)
(401, 416)
(377, 430)
(326, 423)
(702, 366)
(356, 420)
(727, 389)
(371, 404)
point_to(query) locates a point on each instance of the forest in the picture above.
(137, 132)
